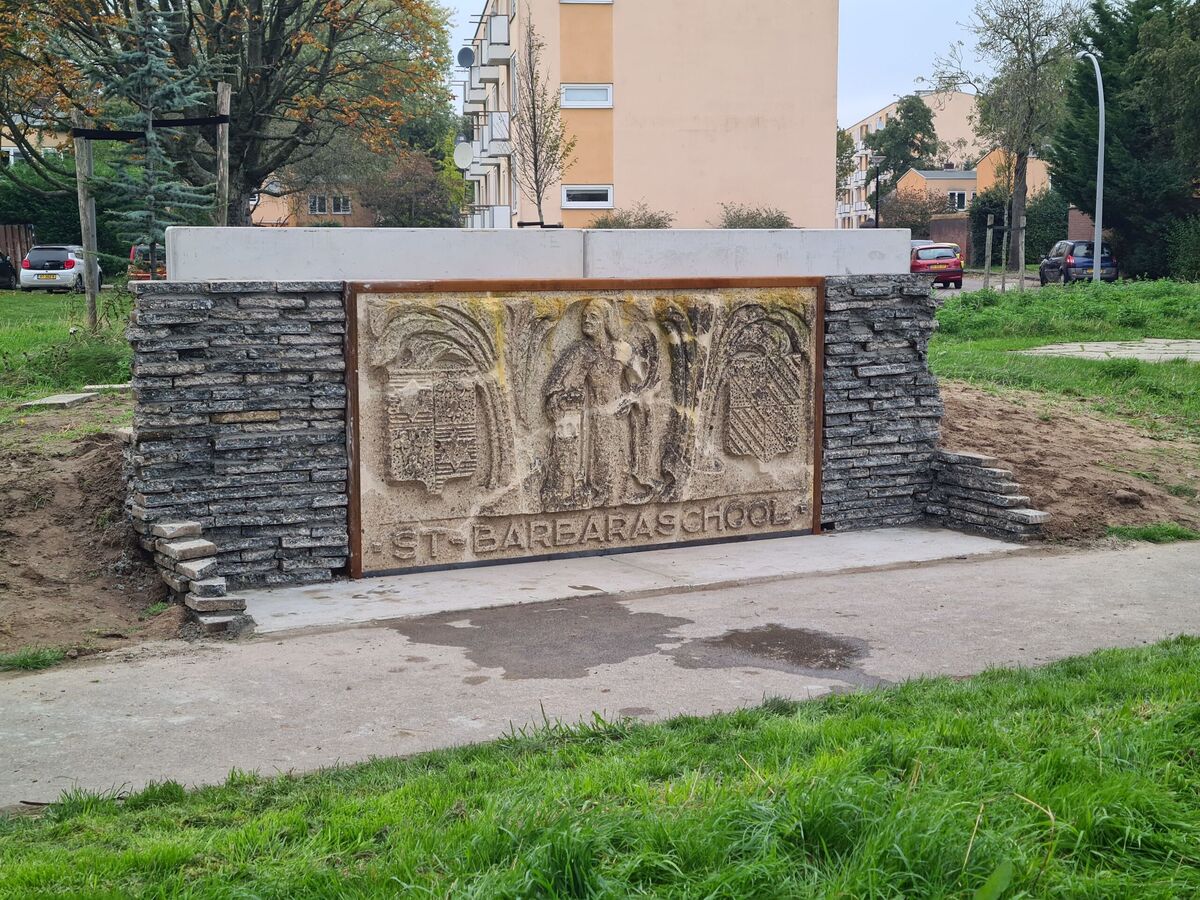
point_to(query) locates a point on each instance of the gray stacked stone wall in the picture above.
(971, 492)
(238, 454)
(882, 405)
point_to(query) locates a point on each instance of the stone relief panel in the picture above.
(500, 425)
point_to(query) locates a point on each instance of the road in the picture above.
(299, 701)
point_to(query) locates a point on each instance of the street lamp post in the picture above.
(877, 161)
(1098, 245)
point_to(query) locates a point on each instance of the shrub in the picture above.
(638, 216)
(1183, 246)
(740, 215)
(993, 201)
(1046, 224)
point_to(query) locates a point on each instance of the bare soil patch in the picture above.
(1087, 471)
(71, 573)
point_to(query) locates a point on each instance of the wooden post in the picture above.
(84, 170)
(987, 253)
(1021, 252)
(221, 208)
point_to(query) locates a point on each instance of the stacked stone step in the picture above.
(971, 492)
(883, 408)
(188, 564)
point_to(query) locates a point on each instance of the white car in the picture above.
(54, 268)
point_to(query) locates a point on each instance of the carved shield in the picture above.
(765, 406)
(433, 426)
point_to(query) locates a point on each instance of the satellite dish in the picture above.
(464, 155)
(466, 57)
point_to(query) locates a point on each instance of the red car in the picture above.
(943, 261)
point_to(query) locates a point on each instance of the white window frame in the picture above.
(318, 205)
(952, 198)
(344, 201)
(588, 204)
(606, 103)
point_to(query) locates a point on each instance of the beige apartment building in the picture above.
(681, 104)
(953, 120)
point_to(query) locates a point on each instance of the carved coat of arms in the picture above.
(765, 406)
(434, 428)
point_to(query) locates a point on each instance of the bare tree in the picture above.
(543, 152)
(1027, 45)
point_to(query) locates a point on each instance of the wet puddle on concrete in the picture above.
(567, 639)
(796, 650)
(547, 640)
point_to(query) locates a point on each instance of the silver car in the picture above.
(54, 268)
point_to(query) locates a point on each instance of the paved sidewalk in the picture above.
(625, 575)
(279, 703)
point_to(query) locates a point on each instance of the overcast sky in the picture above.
(886, 45)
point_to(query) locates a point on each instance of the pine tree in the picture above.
(148, 187)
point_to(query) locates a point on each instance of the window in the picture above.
(341, 205)
(926, 254)
(587, 96)
(587, 196)
(957, 200)
(318, 205)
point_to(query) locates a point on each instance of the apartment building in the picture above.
(681, 104)
(953, 114)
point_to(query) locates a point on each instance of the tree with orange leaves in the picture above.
(301, 70)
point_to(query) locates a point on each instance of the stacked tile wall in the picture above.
(882, 405)
(239, 435)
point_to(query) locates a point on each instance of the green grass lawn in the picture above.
(979, 331)
(39, 353)
(1080, 778)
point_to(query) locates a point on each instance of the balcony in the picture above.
(497, 131)
(497, 46)
(489, 74)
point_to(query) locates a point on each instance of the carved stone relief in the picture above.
(494, 426)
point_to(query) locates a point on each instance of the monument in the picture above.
(531, 419)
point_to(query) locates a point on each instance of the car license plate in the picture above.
(47, 278)
(943, 266)
(1087, 271)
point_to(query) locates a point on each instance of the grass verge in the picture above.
(1159, 533)
(1074, 780)
(31, 659)
(45, 345)
(979, 332)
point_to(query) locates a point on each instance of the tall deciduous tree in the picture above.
(543, 152)
(845, 156)
(301, 70)
(1150, 57)
(411, 194)
(1027, 45)
(909, 141)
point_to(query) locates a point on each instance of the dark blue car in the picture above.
(1071, 261)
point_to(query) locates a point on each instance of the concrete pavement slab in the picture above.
(625, 574)
(60, 401)
(307, 700)
(1148, 350)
